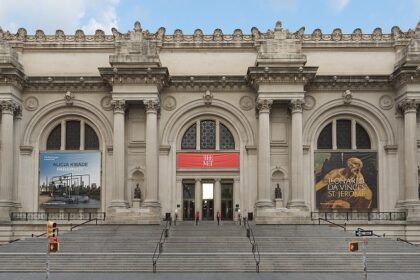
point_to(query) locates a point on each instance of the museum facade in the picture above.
(270, 125)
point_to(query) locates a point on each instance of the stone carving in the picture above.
(357, 34)
(106, 103)
(118, 105)
(160, 34)
(137, 192)
(198, 35)
(337, 35)
(347, 97)
(317, 35)
(208, 97)
(169, 103)
(377, 34)
(264, 104)
(99, 35)
(256, 34)
(18, 112)
(137, 27)
(31, 103)
(309, 102)
(386, 102)
(277, 192)
(218, 35)
(21, 34)
(152, 105)
(79, 36)
(178, 35)
(8, 106)
(117, 35)
(69, 97)
(296, 105)
(396, 33)
(59, 35)
(300, 33)
(408, 106)
(40, 36)
(246, 103)
(237, 35)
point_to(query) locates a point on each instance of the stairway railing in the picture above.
(159, 246)
(405, 241)
(332, 223)
(71, 227)
(255, 250)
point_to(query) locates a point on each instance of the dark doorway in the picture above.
(227, 201)
(188, 201)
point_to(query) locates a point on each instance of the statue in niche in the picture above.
(277, 192)
(137, 192)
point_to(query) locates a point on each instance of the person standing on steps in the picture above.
(218, 217)
(197, 217)
(176, 216)
(239, 216)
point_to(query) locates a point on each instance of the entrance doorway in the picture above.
(208, 204)
(227, 201)
(188, 201)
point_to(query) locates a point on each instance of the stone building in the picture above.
(210, 123)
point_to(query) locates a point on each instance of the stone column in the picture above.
(264, 198)
(217, 197)
(296, 157)
(118, 189)
(236, 196)
(198, 197)
(7, 159)
(17, 140)
(179, 198)
(152, 156)
(409, 107)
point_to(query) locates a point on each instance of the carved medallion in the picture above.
(309, 102)
(169, 103)
(106, 103)
(386, 102)
(31, 103)
(246, 103)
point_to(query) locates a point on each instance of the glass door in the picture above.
(188, 201)
(227, 201)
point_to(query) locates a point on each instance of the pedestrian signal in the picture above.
(353, 246)
(53, 247)
(51, 229)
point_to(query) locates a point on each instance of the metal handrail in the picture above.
(71, 228)
(332, 223)
(255, 249)
(406, 241)
(164, 234)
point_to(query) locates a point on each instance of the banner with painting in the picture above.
(70, 179)
(346, 180)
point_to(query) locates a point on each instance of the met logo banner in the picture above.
(207, 160)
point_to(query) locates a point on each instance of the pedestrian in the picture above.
(218, 217)
(239, 216)
(176, 216)
(197, 217)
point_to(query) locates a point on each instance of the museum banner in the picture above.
(207, 160)
(70, 179)
(347, 180)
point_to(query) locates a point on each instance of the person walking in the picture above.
(197, 217)
(218, 217)
(239, 216)
(176, 216)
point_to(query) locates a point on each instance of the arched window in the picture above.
(73, 136)
(212, 135)
(343, 134)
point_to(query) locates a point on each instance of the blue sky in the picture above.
(207, 15)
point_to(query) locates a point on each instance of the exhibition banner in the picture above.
(69, 179)
(207, 160)
(346, 180)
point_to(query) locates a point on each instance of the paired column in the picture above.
(217, 197)
(296, 157)
(152, 156)
(118, 190)
(264, 198)
(198, 197)
(17, 139)
(8, 108)
(409, 107)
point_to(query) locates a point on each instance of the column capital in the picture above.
(18, 112)
(8, 106)
(197, 180)
(152, 105)
(178, 179)
(264, 105)
(408, 106)
(296, 105)
(217, 180)
(118, 105)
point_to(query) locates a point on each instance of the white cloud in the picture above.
(50, 15)
(338, 5)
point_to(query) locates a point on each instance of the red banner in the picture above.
(207, 160)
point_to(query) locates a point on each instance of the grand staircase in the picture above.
(209, 248)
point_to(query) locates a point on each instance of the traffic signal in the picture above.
(51, 229)
(353, 246)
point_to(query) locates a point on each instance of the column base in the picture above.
(264, 204)
(143, 215)
(151, 203)
(279, 203)
(413, 210)
(118, 204)
(136, 203)
(282, 216)
(6, 207)
(298, 204)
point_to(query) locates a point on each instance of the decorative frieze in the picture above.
(349, 82)
(66, 83)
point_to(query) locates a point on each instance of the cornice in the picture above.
(216, 40)
(349, 82)
(135, 75)
(405, 75)
(68, 83)
(280, 75)
(12, 76)
(212, 83)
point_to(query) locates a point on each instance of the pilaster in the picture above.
(198, 196)
(217, 197)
